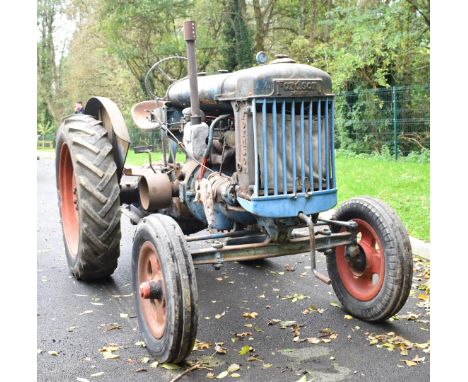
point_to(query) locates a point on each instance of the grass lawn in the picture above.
(402, 185)
(142, 159)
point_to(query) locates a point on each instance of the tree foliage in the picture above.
(363, 44)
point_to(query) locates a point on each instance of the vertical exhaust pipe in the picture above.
(190, 35)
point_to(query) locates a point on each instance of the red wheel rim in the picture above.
(149, 269)
(363, 284)
(68, 201)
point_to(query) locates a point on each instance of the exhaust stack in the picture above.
(190, 35)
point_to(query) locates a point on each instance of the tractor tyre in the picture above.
(88, 196)
(164, 288)
(375, 283)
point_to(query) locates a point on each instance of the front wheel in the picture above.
(165, 288)
(374, 281)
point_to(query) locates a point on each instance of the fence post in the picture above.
(395, 122)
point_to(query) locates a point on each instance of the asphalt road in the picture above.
(76, 319)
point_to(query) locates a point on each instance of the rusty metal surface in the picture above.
(268, 249)
(190, 35)
(105, 110)
(221, 235)
(141, 114)
(155, 191)
(310, 224)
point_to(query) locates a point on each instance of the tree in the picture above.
(49, 84)
(237, 51)
(141, 32)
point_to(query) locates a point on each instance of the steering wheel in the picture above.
(157, 66)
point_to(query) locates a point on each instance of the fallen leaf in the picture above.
(140, 344)
(417, 359)
(220, 349)
(234, 367)
(245, 349)
(295, 297)
(348, 317)
(410, 363)
(313, 308)
(85, 312)
(154, 364)
(79, 379)
(53, 352)
(108, 351)
(141, 370)
(286, 324)
(243, 334)
(423, 296)
(71, 328)
(218, 316)
(123, 315)
(97, 374)
(97, 303)
(313, 340)
(170, 366)
(199, 345)
(222, 375)
(112, 326)
(145, 360)
(110, 355)
(266, 365)
(235, 375)
(335, 304)
(250, 314)
(210, 375)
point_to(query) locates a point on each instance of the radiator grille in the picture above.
(294, 146)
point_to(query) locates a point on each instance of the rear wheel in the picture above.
(165, 288)
(373, 282)
(88, 195)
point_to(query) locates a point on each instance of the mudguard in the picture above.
(105, 110)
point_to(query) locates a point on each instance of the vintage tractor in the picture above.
(260, 167)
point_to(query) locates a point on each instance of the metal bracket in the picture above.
(352, 225)
(310, 224)
(218, 255)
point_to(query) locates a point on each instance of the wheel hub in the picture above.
(362, 266)
(356, 258)
(151, 287)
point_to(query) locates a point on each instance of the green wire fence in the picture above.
(395, 118)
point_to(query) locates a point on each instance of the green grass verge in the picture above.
(402, 185)
(142, 159)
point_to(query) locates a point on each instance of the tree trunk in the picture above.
(327, 28)
(313, 12)
(259, 35)
(303, 16)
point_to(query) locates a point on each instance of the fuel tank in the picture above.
(277, 79)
